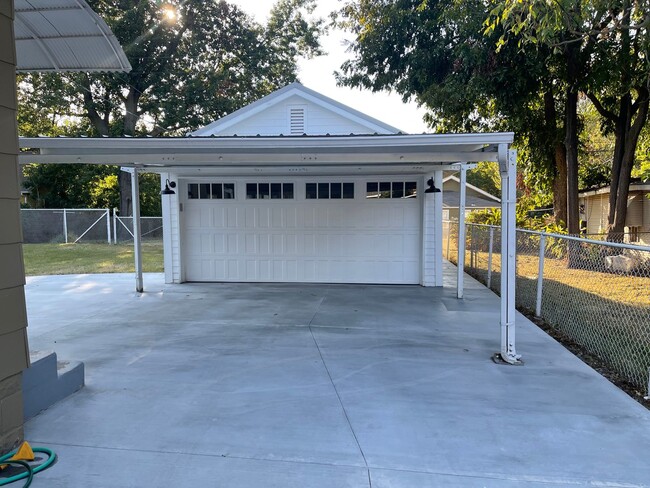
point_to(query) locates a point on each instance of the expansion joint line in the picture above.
(338, 395)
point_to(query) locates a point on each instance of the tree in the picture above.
(605, 45)
(438, 53)
(193, 61)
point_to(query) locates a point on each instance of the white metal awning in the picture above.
(64, 35)
(243, 155)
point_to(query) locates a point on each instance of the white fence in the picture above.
(594, 293)
(67, 225)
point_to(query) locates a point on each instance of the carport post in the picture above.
(137, 233)
(508, 169)
(461, 233)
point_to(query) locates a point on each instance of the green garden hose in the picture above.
(30, 470)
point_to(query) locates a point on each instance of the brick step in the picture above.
(48, 381)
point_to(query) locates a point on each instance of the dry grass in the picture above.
(50, 259)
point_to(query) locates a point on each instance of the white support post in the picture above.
(540, 275)
(114, 226)
(137, 233)
(437, 226)
(65, 225)
(461, 233)
(508, 170)
(489, 265)
(108, 225)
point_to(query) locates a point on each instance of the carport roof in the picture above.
(64, 35)
(417, 153)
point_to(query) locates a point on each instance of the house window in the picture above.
(395, 189)
(633, 234)
(273, 191)
(329, 191)
(206, 191)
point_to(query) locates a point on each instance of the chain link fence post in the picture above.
(65, 225)
(540, 275)
(489, 263)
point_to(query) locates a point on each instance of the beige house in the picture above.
(475, 198)
(594, 208)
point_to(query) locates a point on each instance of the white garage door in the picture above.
(301, 230)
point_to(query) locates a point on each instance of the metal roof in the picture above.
(64, 35)
(451, 199)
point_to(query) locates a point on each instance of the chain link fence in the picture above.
(65, 225)
(150, 228)
(596, 293)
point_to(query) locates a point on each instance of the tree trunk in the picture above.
(560, 185)
(124, 180)
(571, 144)
(628, 140)
(557, 158)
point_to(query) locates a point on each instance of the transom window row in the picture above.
(395, 189)
(274, 191)
(331, 191)
(206, 191)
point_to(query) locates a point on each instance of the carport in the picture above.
(426, 155)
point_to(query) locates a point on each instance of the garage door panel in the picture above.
(356, 241)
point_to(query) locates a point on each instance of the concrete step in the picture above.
(48, 381)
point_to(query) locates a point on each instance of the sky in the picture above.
(318, 74)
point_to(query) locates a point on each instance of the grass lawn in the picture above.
(49, 259)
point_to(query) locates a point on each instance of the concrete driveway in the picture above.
(240, 385)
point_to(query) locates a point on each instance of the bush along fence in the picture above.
(67, 225)
(596, 293)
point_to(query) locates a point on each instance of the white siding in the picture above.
(428, 240)
(171, 231)
(275, 121)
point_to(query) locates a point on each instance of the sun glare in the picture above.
(170, 14)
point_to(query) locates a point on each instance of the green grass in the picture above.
(52, 259)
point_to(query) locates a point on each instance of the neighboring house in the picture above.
(475, 198)
(594, 209)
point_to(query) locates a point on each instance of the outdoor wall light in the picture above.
(167, 190)
(432, 188)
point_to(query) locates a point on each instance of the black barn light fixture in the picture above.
(432, 188)
(168, 190)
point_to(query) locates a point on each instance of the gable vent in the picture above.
(297, 121)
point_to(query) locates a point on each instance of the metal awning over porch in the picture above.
(427, 154)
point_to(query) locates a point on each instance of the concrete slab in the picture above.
(321, 386)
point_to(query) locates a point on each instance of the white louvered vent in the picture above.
(297, 121)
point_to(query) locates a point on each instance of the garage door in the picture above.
(301, 230)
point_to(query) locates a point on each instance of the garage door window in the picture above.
(387, 189)
(273, 191)
(329, 191)
(206, 191)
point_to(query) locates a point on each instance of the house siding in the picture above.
(275, 121)
(14, 355)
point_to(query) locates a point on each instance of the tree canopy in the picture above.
(193, 62)
(520, 65)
